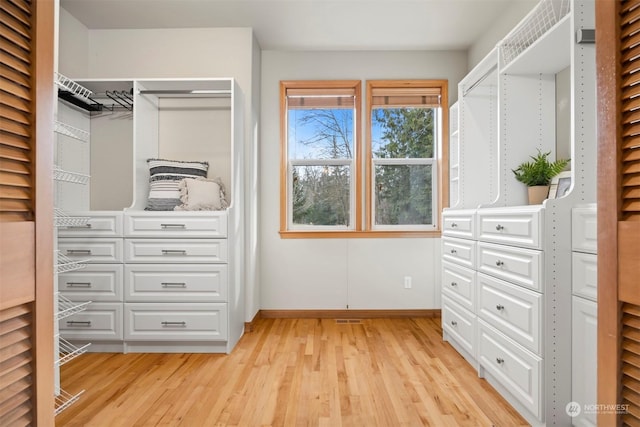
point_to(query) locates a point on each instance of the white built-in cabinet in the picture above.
(507, 267)
(168, 281)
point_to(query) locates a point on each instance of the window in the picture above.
(405, 130)
(323, 190)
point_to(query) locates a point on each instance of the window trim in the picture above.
(363, 162)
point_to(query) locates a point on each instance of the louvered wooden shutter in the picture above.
(16, 178)
(618, 62)
(629, 216)
(26, 271)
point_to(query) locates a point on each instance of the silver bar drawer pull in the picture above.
(78, 251)
(86, 323)
(78, 227)
(169, 226)
(178, 324)
(78, 284)
(173, 285)
(174, 252)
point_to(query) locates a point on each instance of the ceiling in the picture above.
(310, 24)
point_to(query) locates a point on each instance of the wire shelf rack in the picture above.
(65, 264)
(63, 219)
(68, 351)
(70, 131)
(64, 400)
(67, 308)
(73, 177)
(544, 16)
(71, 86)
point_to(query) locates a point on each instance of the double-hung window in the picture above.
(321, 128)
(405, 130)
(391, 185)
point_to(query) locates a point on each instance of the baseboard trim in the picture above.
(347, 314)
(250, 326)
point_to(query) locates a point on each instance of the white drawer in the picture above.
(459, 251)
(95, 282)
(98, 250)
(100, 224)
(459, 324)
(516, 369)
(459, 223)
(182, 225)
(515, 311)
(518, 227)
(176, 283)
(459, 284)
(584, 229)
(584, 276)
(176, 250)
(179, 321)
(99, 322)
(520, 266)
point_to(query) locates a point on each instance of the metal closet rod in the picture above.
(480, 80)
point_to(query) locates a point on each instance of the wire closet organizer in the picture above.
(109, 100)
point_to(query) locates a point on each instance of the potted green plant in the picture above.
(537, 174)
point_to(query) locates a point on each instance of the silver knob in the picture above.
(454, 323)
(499, 360)
(454, 284)
(454, 225)
(453, 251)
(499, 307)
(499, 227)
(499, 263)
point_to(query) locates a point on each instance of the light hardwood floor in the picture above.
(292, 372)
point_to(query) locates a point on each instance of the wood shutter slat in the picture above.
(14, 37)
(11, 140)
(17, 103)
(630, 13)
(11, 166)
(631, 155)
(630, 29)
(630, 180)
(632, 117)
(22, 4)
(15, 193)
(14, 115)
(11, 75)
(632, 193)
(13, 24)
(15, 180)
(631, 206)
(15, 51)
(12, 153)
(630, 167)
(629, 92)
(15, 128)
(16, 12)
(14, 206)
(14, 89)
(11, 62)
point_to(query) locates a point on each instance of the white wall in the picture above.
(365, 273)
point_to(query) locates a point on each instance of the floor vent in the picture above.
(344, 321)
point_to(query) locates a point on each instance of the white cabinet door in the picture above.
(459, 223)
(459, 251)
(459, 284)
(584, 347)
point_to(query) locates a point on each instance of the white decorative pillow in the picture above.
(201, 194)
(164, 181)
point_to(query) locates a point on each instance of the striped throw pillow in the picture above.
(164, 181)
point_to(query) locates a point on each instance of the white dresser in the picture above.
(175, 280)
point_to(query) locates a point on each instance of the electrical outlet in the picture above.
(407, 282)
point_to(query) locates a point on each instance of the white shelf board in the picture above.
(549, 54)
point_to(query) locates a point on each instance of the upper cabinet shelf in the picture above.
(547, 55)
(540, 43)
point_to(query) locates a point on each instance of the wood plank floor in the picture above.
(292, 372)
